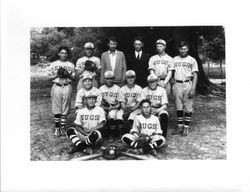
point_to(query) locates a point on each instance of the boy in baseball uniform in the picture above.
(61, 90)
(83, 69)
(159, 101)
(147, 124)
(130, 98)
(88, 126)
(110, 103)
(186, 76)
(87, 87)
(162, 65)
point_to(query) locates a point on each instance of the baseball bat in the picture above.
(88, 157)
(138, 157)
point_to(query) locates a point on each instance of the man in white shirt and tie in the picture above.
(113, 60)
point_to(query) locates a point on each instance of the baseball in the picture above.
(112, 152)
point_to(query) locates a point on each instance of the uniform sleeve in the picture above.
(143, 94)
(164, 99)
(79, 96)
(121, 95)
(78, 119)
(151, 64)
(78, 64)
(171, 65)
(136, 126)
(138, 99)
(98, 63)
(194, 66)
(51, 69)
(102, 115)
(99, 98)
(158, 126)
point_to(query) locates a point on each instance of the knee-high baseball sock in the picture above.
(180, 118)
(57, 118)
(130, 142)
(156, 144)
(187, 118)
(164, 124)
(63, 121)
(93, 137)
(73, 137)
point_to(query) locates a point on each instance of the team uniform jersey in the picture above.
(82, 93)
(161, 65)
(81, 61)
(130, 96)
(110, 94)
(148, 126)
(157, 97)
(89, 119)
(54, 66)
(184, 67)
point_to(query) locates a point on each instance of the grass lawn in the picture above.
(207, 139)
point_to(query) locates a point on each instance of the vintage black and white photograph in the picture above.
(128, 93)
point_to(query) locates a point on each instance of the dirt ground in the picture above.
(207, 139)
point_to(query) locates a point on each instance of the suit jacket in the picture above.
(120, 66)
(140, 67)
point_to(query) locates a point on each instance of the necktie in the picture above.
(138, 56)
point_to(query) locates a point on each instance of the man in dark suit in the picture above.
(113, 60)
(138, 62)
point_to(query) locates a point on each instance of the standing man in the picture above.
(138, 62)
(88, 64)
(61, 73)
(113, 60)
(186, 76)
(162, 65)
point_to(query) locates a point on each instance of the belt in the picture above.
(179, 81)
(62, 85)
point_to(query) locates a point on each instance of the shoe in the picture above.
(74, 149)
(63, 131)
(185, 131)
(134, 151)
(178, 131)
(88, 151)
(57, 132)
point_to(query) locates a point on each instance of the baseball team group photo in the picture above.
(127, 93)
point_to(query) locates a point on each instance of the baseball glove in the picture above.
(126, 113)
(105, 103)
(142, 140)
(61, 72)
(111, 152)
(90, 66)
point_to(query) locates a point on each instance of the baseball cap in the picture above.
(90, 94)
(87, 76)
(161, 41)
(109, 74)
(89, 45)
(152, 77)
(130, 73)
